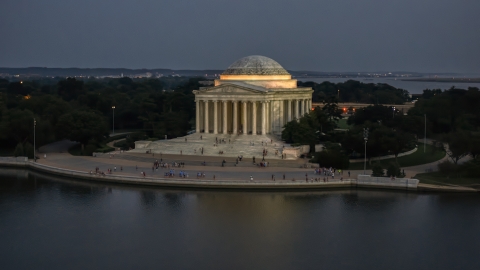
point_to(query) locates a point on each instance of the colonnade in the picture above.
(247, 116)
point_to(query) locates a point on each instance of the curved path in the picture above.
(132, 166)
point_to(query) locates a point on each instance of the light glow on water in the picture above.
(55, 223)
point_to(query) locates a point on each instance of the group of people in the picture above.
(171, 173)
(98, 172)
(329, 172)
(221, 140)
(157, 164)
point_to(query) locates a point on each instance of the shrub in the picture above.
(377, 169)
(19, 151)
(24, 150)
(394, 170)
(471, 168)
(332, 158)
(447, 167)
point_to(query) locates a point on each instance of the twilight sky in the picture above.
(328, 35)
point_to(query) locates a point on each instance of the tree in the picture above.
(458, 146)
(70, 88)
(330, 108)
(322, 119)
(18, 125)
(394, 170)
(302, 132)
(332, 158)
(398, 142)
(81, 126)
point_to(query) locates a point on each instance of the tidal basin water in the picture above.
(413, 87)
(48, 222)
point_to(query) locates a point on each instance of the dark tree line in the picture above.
(452, 120)
(81, 110)
(355, 91)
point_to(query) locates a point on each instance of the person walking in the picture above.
(251, 178)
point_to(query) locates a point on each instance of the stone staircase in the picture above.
(229, 145)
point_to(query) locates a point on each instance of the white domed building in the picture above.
(255, 95)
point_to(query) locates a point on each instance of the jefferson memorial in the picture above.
(254, 95)
(243, 113)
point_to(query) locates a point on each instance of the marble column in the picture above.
(281, 112)
(215, 117)
(289, 110)
(264, 118)
(297, 109)
(225, 130)
(269, 117)
(206, 127)
(254, 118)
(244, 114)
(197, 116)
(235, 117)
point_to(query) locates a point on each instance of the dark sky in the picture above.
(329, 35)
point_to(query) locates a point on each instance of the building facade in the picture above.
(255, 95)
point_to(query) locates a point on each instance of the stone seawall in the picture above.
(362, 181)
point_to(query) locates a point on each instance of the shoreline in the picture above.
(193, 183)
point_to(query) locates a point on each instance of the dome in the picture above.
(255, 65)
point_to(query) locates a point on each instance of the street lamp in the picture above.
(393, 111)
(34, 125)
(113, 124)
(365, 137)
(425, 134)
(338, 95)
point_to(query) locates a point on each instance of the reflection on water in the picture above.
(58, 223)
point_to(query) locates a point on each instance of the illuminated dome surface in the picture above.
(255, 65)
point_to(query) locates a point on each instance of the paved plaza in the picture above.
(133, 164)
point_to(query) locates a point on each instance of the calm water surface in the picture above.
(54, 223)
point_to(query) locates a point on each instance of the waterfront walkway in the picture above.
(129, 168)
(134, 163)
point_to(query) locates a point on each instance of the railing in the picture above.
(368, 180)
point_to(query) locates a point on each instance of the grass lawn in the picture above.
(76, 150)
(342, 123)
(432, 154)
(437, 178)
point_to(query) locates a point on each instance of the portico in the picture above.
(255, 95)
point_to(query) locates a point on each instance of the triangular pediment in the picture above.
(232, 89)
